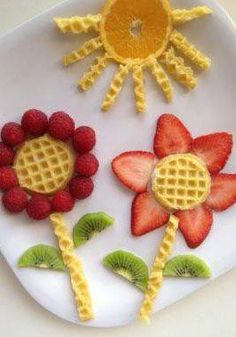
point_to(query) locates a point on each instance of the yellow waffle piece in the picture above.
(156, 275)
(162, 79)
(75, 268)
(94, 72)
(181, 181)
(79, 54)
(176, 67)
(78, 24)
(115, 87)
(44, 165)
(189, 51)
(181, 16)
(139, 88)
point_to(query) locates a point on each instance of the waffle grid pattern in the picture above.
(44, 165)
(181, 182)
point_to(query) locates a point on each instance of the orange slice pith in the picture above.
(132, 31)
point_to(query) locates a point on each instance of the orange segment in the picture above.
(133, 30)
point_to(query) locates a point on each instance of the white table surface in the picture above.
(207, 313)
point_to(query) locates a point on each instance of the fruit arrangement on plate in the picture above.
(46, 164)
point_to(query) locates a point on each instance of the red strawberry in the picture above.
(34, 122)
(171, 136)
(12, 134)
(195, 224)
(134, 169)
(147, 214)
(214, 150)
(223, 192)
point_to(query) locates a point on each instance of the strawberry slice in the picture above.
(134, 169)
(195, 225)
(214, 150)
(147, 214)
(223, 192)
(171, 136)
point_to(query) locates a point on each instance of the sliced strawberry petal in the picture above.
(171, 136)
(214, 150)
(147, 214)
(134, 169)
(195, 225)
(223, 192)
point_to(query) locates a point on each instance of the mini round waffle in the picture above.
(181, 181)
(44, 165)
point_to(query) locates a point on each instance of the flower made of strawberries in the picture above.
(45, 164)
(182, 177)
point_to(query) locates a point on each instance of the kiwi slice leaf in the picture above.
(129, 266)
(90, 225)
(42, 256)
(187, 266)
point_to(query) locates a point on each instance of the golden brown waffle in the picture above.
(181, 181)
(44, 165)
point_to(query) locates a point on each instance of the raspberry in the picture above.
(62, 202)
(86, 165)
(39, 207)
(8, 178)
(15, 200)
(61, 125)
(81, 188)
(6, 155)
(12, 134)
(34, 122)
(84, 139)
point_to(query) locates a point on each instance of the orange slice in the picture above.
(132, 31)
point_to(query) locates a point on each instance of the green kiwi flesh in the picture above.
(129, 266)
(42, 256)
(89, 225)
(188, 266)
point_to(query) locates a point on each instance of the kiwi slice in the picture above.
(187, 266)
(129, 266)
(42, 256)
(89, 225)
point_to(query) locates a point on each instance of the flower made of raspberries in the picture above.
(182, 178)
(45, 164)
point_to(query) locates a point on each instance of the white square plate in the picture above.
(32, 76)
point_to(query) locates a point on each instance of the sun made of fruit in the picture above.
(137, 35)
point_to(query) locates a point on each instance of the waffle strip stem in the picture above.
(156, 275)
(139, 88)
(78, 24)
(162, 79)
(79, 54)
(187, 49)
(74, 266)
(181, 16)
(94, 72)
